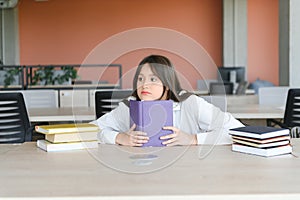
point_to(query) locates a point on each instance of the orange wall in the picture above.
(66, 31)
(263, 40)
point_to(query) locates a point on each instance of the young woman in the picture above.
(195, 121)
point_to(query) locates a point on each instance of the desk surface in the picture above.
(249, 111)
(177, 173)
(206, 92)
(255, 111)
(61, 114)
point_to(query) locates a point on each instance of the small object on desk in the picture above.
(150, 117)
(61, 137)
(260, 132)
(71, 137)
(261, 140)
(266, 152)
(66, 128)
(66, 146)
(264, 145)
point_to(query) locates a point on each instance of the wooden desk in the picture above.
(206, 92)
(255, 111)
(61, 114)
(249, 111)
(26, 171)
(255, 114)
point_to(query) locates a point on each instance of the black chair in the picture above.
(14, 122)
(221, 88)
(107, 100)
(291, 118)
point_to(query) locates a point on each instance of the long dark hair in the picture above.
(164, 70)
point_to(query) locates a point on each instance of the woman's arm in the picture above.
(178, 137)
(115, 128)
(132, 138)
(200, 122)
(112, 123)
(215, 124)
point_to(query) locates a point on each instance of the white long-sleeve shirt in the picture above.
(193, 115)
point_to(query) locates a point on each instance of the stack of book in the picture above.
(261, 140)
(61, 137)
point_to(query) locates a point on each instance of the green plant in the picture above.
(68, 73)
(10, 75)
(47, 75)
(43, 76)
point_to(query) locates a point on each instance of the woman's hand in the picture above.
(178, 137)
(132, 138)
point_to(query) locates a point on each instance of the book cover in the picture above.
(253, 144)
(66, 128)
(261, 132)
(262, 141)
(151, 117)
(51, 147)
(71, 137)
(266, 152)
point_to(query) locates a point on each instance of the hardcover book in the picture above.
(66, 128)
(253, 144)
(262, 141)
(151, 117)
(266, 152)
(71, 137)
(260, 132)
(51, 147)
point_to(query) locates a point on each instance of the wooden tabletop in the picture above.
(115, 172)
(61, 114)
(256, 111)
(248, 111)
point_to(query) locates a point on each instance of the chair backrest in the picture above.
(273, 96)
(106, 100)
(41, 98)
(292, 109)
(14, 121)
(221, 88)
(38, 98)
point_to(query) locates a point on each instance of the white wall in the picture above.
(294, 43)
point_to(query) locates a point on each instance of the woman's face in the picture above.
(149, 86)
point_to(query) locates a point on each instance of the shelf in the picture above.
(13, 76)
(87, 76)
(84, 86)
(60, 77)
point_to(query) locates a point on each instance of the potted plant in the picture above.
(43, 76)
(10, 76)
(50, 76)
(65, 75)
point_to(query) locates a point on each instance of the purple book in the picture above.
(150, 117)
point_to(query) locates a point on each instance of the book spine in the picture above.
(136, 115)
(139, 114)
